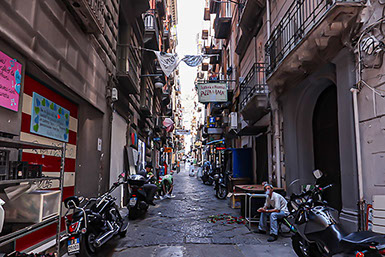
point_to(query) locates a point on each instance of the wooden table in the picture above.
(254, 189)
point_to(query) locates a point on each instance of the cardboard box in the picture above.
(235, 200)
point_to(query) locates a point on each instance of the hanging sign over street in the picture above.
(10, 82)
(212, 92)
(182, 132)
(49, 119)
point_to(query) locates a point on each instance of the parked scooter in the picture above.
(94, 222)
(318, 231)
(221, 181)
(137, 206)
(208, 175)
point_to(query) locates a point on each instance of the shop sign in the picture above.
(214, 131)
(182, 132)
(49, 119)
(10, 82)
(212, 92)
(168, 150)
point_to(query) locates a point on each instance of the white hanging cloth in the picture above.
(168, 62)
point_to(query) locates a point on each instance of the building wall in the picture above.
(372, 110)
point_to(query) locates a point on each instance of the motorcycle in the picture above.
(137, 205)
(318, 231)
(208, 175)
(221, 181)
(94, 222)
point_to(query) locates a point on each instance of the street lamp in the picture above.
(159, 83)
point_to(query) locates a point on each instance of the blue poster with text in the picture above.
(49, 119)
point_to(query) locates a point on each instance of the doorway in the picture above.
(262, 158)
(326, 145)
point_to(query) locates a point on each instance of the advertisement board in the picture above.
(10, 82)
(212, 92)
(49, 119)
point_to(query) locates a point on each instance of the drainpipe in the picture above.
(359, 157)
(276, 117)
(268, 20)
(277, 148)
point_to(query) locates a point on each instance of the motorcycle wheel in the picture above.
(303, 248)
(221, 192)
(133, 213)
(87, 248)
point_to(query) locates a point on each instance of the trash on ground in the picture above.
(226, 219)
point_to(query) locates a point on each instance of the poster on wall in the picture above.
(212, 92)
(10, 82)
(49, 119)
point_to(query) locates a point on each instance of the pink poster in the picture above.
(10, 82)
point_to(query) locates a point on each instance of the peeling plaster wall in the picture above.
(372, 112)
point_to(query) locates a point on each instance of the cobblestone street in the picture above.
(179, 227)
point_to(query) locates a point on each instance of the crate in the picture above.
(235, 200)
(34, 171)
(4, 164)
(18, 170)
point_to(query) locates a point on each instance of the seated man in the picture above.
(276, 208)
(150, 189)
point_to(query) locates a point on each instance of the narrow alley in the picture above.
(180, 227)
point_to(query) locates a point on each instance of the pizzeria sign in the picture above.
(212, 92)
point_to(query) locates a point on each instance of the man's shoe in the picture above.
(259, 231)
(152, 203)
(272, 238)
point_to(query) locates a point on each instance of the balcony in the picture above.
(214, 6)
(250, 21)
(161, 7)
(254, 94)
(301, 39)
(205, 34)
(206, 14)
(222, 23)
(146, 98)
(89, 13)
(151, 30)
(128, 68)
(166, 38)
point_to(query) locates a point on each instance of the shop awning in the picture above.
(220, 141)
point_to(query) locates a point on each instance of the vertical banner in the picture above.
(10, 82)
(212, 92)
(49, 119)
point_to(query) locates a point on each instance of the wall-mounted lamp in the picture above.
(159, 83)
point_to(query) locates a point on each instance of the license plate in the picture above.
(133, 201)
(73, 246)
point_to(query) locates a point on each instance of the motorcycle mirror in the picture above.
(317, 174)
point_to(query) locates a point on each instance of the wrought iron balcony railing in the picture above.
(254, 83)
(301, 17)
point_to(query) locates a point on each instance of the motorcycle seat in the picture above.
(363, 238)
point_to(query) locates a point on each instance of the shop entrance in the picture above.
(326, 145)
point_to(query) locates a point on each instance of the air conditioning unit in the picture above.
(233, 120)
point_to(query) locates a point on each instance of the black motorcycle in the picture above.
(318, 231)
(94, 222)
(221, 181)
(208, 175)
(137, 205)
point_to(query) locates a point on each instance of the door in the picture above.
(326, 145)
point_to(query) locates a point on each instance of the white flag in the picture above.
(168, 62)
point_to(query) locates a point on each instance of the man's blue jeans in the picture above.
(274, 216)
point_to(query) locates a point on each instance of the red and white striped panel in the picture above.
(50, 159)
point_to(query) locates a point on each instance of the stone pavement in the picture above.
(179, 227)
